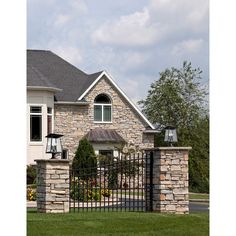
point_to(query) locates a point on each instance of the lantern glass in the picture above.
(49, 144)
(54, 143)
(170, 134)
(58, 145)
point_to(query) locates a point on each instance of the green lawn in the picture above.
(116, 223)
(198, 196)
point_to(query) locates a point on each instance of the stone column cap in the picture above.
(53, 160)
(168, 148)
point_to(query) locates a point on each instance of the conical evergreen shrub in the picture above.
(85, 161)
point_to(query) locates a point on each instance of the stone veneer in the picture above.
(170, 180)
(74, 121)
(52, 186)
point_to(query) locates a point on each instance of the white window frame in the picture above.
(102, 105)
(51, 115)
(35, 113)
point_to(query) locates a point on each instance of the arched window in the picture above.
(102, 109)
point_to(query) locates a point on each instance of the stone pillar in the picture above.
(52, 186)
(170, 180)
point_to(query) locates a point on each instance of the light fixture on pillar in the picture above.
(54, 144)
(170, 135)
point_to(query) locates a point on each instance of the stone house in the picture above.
(65, 100)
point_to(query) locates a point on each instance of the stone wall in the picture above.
(170, 180)
(75, 121)
(52, 186)
(166, 185)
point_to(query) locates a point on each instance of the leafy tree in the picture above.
(199, 156)
(178, 99)
(85, 161)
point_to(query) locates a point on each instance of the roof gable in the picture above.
(104, 73)
(45, 68)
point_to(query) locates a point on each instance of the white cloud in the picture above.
(69, 53)
(181, 14)
(129, 30)
(136, 88)
(134, 59)
(61, 20)
(131, 87)
(78, 6)
(66, 14)
(187, 46)
(133, 43)
(157, 21)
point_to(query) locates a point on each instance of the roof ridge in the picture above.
(42, 50)
(99, 72)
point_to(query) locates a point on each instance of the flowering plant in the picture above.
(106, 192)
(31, 194)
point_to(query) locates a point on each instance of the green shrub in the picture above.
(82, 192)
(31, 174)
(85, 161)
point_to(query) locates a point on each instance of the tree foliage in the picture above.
(85, 161)
(178, 99)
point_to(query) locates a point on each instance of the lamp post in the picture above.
(54, 144)
(170, 134)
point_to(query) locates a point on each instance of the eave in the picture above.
(41, 88)
(78, 103)
(154, 131)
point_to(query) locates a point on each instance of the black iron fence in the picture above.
(115, 184)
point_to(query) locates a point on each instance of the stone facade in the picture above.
(52, 186)
(75, 121)
(170, 180)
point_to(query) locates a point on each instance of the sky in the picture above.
(133, 40)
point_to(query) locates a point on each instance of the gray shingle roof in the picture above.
(103, 136)
(46, 69)
(36, 78)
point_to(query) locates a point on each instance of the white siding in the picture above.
(36, 150)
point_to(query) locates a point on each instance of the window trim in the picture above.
(49, 115)
(102, 105)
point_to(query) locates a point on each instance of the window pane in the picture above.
(35, 128)
(105, 158)
(102, 98)
(49, 124)
(35, 109)
(98, 113)
(49, 110)
(107, 113)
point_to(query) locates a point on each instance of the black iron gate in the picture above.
(115, 184)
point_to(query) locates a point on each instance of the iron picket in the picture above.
(122, 184)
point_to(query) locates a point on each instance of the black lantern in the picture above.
(170, 134)
(54, 144)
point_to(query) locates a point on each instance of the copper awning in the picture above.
(104, 136)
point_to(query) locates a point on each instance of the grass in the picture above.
(198, 196)
(116, 223)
